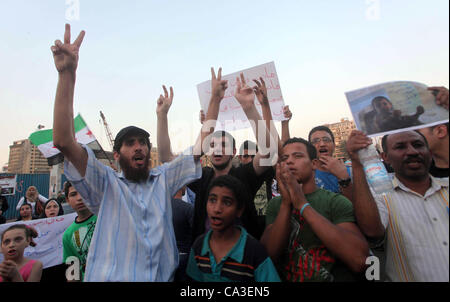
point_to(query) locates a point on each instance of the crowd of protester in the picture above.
(306, 216)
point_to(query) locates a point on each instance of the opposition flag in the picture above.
(44, 140)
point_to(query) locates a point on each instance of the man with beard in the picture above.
(411, 221)
(134, 238)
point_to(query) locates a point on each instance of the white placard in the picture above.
(49, 247)
(395, 107)
(231, 116)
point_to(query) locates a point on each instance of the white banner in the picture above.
(231, 116)
(49, 247)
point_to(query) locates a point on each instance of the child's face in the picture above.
(14, 243)
(25, 211)
(222, 209)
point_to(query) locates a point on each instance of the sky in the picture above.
(321, 50)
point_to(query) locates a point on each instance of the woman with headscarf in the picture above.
(35, 199)
(52, 208)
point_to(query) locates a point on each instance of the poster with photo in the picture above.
(8, 185)
(395, 107)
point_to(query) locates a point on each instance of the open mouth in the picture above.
(139, 159)
(11, 252)
(414, 163)
(215, 221)
(323, 151)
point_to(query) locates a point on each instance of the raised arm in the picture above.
(366, 210)
(66, 56)
(285, 133)
(163, 139)
(218, 87)
(245, 95)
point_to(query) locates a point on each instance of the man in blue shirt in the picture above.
(134, 238)
(331, 173)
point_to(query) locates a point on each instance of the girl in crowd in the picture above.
(36, 200)
(52, 208)
(15, 267)
(25, 212)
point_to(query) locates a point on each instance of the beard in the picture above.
(135, 174)
(222, 166)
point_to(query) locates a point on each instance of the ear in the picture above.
(116, 155)
(315, 163)
(441, 131)
(385, 157)
(240, 212)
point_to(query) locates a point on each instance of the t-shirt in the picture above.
(438, 172)
(182, 217)
(247, 175)
(247, 261)
(306, 257)
(327, 181)
(76, 241)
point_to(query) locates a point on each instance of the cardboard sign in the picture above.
(231, 116)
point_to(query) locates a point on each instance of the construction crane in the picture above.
(108, 132)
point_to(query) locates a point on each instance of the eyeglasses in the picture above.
(323, 139)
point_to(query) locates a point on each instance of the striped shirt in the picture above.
(417, 232)
(134, 238)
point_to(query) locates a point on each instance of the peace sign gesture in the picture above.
(244, 93)
(164, 102)
(66, 55)
(218, 86)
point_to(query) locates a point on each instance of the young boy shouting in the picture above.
(227, 252)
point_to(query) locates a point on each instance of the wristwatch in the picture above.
(344, 183)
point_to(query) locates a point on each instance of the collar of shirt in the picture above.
(236, 253)
(436, 185)
(153, 173)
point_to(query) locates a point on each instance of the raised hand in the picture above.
(202, 117)
(441, 94)
(261, 91)
(65, 54)
(284, 192)
(287, 113)
(244, 94)
(334, 166)
(357, 141)
(218, 86)
(164, 102)
(291, 185)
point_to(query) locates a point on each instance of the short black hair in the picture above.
(222, 134)
(312, 152)
(321, 128)
(385, 138)
(235, 185)
(378, 99)
(248, 145)
(67, 185)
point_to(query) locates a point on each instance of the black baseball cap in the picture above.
(127, 131)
